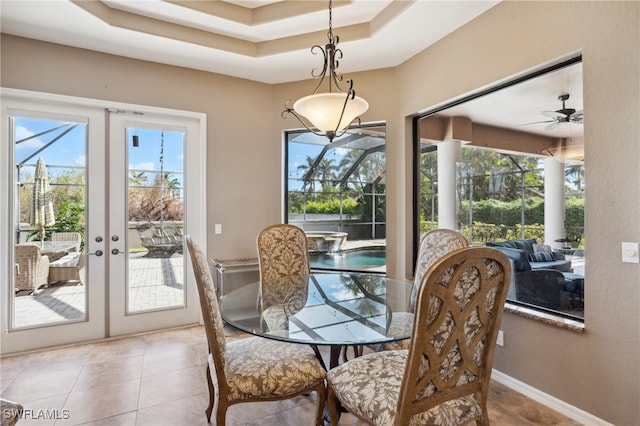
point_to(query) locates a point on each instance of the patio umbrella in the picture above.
(42, 200)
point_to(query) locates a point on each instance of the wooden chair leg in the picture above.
(334, 406)
(212, 395)
(322, 398)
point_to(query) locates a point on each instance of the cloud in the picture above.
(31, 144)
(143, 166)
(80, 160)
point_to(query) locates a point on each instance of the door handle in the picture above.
(116, 251)
(96, 253)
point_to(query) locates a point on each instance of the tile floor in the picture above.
(159, 379)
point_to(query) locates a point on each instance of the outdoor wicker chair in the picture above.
(68, 268)
(32, 267)
(68, 236)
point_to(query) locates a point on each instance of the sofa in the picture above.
(540, 276)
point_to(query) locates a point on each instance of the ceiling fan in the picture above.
(562, 116)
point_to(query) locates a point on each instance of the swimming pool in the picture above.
(353, 260)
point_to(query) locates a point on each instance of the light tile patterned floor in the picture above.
(158, 379)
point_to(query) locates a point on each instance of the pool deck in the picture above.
(354, 245)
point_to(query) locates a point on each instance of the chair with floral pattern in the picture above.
(284, 262)
(443, 378)
(433, 246)
(252, 369)
(283, 257)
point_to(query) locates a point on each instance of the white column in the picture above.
(554, 226)
(449, 153)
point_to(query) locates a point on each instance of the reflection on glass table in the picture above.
(337, 310)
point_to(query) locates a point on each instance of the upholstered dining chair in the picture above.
(252, 369)
(283, 258)
(434, 244)
(443, 378)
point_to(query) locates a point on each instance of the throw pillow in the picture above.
(541, 257)
(541, 248)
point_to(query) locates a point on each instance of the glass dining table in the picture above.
(332, 309)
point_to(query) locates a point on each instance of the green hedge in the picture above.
(509, 213)
(349, 206)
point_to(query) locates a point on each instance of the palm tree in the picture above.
(137, 178)
(575, 176)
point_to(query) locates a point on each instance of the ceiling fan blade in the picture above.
(538, 122)
(552, 125)
(577, 117)
(554, 114)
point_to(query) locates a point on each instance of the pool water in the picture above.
(349, 260)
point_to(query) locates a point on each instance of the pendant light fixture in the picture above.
(331, 113)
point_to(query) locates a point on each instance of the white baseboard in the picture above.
(552, 402)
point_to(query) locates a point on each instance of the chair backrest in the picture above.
(214, 327)
(67, 236)
(30, 271)
(433, 246)
(284, 262)
(458, 313)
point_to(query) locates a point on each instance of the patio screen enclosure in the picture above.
(338, 187)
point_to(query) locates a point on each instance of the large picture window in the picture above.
(336, 193)
(505, 167)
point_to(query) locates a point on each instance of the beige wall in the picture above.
(243, 157)
(597, 371)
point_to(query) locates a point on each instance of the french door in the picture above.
(114, 177)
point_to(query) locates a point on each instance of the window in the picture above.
(516, 181)
(336, 193)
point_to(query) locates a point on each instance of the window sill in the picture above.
(547, 318)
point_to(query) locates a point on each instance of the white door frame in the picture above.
(120, 321)
(97, 324)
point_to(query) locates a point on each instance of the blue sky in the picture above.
(305, 145)
(70, 149)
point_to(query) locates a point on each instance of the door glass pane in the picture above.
(156, 213)
(49, 283)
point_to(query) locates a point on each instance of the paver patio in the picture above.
(153, 283)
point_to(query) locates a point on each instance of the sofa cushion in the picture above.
(526, 245)
(558, 265)
(519, 257)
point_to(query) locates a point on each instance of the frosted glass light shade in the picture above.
(323, 110)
